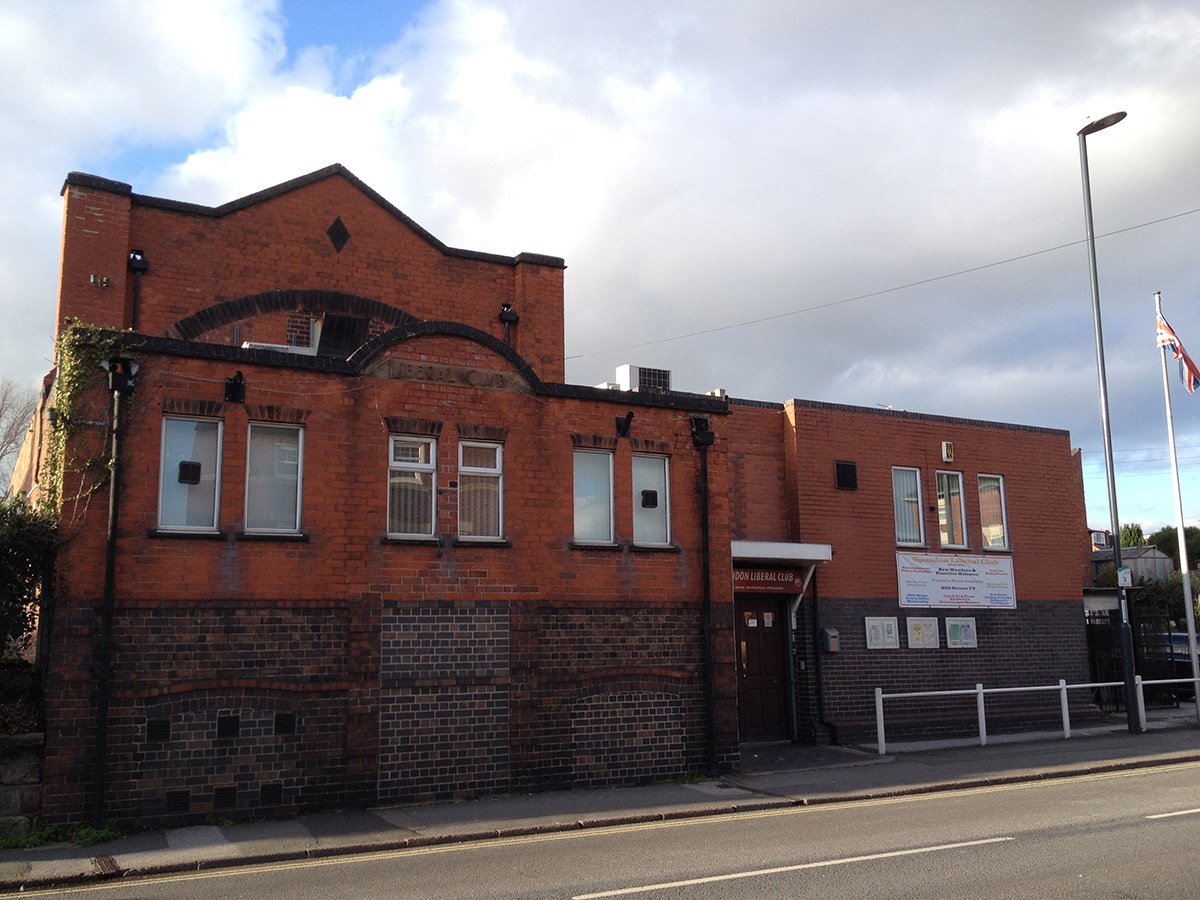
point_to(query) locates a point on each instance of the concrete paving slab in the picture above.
(351, 828)
(288, 837)
(198, 843)
(564, 808)
(52, 862)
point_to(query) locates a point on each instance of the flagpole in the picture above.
(1184, 566)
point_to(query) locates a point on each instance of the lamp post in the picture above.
(1131, 710)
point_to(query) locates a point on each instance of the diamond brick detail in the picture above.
(338, 233)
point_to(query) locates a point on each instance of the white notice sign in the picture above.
(947, 579)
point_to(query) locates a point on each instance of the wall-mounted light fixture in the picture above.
(623, 424)
(121, 372)
(508, 318)
(235, 388)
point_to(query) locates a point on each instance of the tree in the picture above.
(17, 406)
(1166, 539)
(1132, 536)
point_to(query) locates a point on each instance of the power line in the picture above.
(880, 293)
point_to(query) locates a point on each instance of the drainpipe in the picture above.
(703, 438)
(139, 267)
(817, 657)
(793, 608)
(121, 383)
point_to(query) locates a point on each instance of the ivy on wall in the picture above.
(79, 351)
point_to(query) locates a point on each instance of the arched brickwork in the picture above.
(229, 311)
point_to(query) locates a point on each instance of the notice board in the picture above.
(958, 580)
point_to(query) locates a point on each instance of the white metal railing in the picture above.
(1062, 687)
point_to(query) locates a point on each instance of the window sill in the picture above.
(996, 549)
(285, 536)
(655, 548)
(424, 539)
(481, 542)
(192, 535)
(580, 545)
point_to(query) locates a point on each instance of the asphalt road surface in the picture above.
(1127, 834)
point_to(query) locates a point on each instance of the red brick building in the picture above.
(367, 547)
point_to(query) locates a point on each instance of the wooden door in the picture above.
(762, 678)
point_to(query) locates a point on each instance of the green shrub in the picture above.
(28, 540)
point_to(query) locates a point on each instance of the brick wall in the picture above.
(1036, 644)
(416, 669)
(202, 256)
(1043, 486)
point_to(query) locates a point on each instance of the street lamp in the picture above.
(1131, 711)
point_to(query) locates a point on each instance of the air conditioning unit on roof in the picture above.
(643, 379)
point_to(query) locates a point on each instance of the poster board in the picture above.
(922, 632)
(883, 632)
(960, 632)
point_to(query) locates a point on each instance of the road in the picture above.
(1128, 834)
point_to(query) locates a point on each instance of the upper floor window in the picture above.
(412, 485)
(593, 496)
(906, 505)
(190, 475)
(274, 463)
(651, 506)
(951, 509)
(480, 490)
(991, 512)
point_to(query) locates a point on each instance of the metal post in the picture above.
(1126, 632)
(1066, 709)
(1141, 702)
(1184, 564)
(879, 721)
(982, 718)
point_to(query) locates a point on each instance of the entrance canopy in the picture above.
(781, 552)
(776, 566)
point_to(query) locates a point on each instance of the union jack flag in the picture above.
(1188, 373)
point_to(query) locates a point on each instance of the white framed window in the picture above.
(274, 463)
(906, 506)
(480, 490)
(651, 500)
(189, 483)
(593, 496)
(951, 509)
(412, 486)
(992, 517)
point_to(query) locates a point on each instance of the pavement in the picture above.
(771, 776)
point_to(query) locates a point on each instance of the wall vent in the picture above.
(178, 801)
(845, 475)
(225, 797)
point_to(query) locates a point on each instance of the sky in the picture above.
(870, 203)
